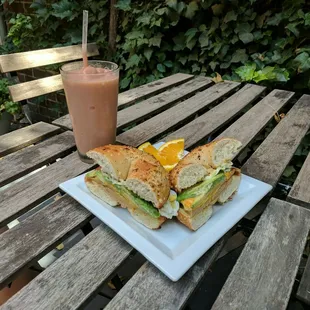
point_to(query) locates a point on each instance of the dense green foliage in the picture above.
(5, 100)
(259, 41)
(56, 24)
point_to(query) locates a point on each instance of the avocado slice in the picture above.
(201, 188)
(126, 193)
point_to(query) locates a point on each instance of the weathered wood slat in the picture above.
(15, 165)
(273, 155)
(217, 117)
(265, 272)
(151, 289)
(152, 88)
(161, 102)
(76, 276)
(130, 96)
(35, 88)
(26, 60)
(18, 139)
(252, 122)
(23, 195)
(173, 116)
(300, 193)
(303, 292)
(37, 234)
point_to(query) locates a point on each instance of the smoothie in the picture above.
(91, 94)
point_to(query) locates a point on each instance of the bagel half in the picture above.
(203, 177)
(132, 179)
(202, 161)
(139, 171)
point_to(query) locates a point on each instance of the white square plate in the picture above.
(174, 248)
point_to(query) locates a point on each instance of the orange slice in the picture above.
(169, 154)
(150, 149)
(172, 151)
(144, 145)
(169, 167)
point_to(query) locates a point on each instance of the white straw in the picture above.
(84, 36)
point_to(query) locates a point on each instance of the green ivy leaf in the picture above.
(234, 39)
(65, 9)
(183, 60)
(123, 5)
(133, 61)
(260, 20)
(277, 56)
(144, 19)
(239, 55)
(156, 40)
(204, 39)
(168, 63)
(292, 27)
(271, 73)
(302, 61)
(172, 3)
(282, 75)
(231, 15)
(213, 65)
(142, 41)
(202, 27)
(206, 3)
(246, 37)
(125, 82)
(214, 25)
(275, 20)
(161, 68)
(180, 7)
(257, 35)
(191, 44)
(218, 9)
(148, 53)
(224, 65)
(195, 68)
(162, 11)
(224, 51)
(93, 29)
(246, 72)
(134, 35)
(307, 19)
(161, 57)
(244, 28)
(190, 33)
(191, 9)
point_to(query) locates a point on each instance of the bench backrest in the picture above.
(33, 59)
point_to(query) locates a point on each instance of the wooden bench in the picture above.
(33, 59)
(95, 259)
(22, 91)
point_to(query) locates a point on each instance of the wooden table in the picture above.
(181, 105)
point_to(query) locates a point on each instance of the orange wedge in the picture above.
(169, 154)
(149, 148)
(172, 151)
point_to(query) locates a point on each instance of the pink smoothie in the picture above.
(91, 95)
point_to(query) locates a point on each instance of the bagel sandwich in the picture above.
(203, 177)
(134, 180)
